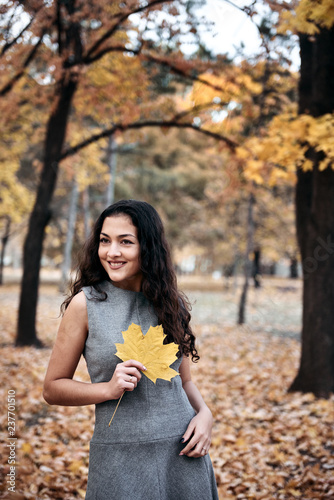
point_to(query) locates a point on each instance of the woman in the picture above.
(156, 446)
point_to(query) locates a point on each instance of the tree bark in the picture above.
(70, 44)
(4, 241)
(40, 216)
(72, 217)
(293, 267)
(248, 262)
(86, 211)
(112, 164)
(257, 267)
(315, 225)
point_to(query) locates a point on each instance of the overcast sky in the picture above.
(233, 27)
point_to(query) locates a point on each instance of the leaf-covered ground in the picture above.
(267, 444)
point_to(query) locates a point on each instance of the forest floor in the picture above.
(267, 443)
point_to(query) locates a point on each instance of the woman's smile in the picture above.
(116, 265)
(119, 252)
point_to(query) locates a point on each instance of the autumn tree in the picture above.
(300, 142)
(15, 197)
(253, 92)
(315, 199)
(51, 54)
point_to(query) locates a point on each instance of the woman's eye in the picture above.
(127, 242)
(104, 240)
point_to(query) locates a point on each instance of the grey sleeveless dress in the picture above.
(137, 457)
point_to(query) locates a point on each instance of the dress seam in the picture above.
(157, 472)
(111, 443)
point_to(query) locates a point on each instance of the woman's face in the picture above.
(119, 252)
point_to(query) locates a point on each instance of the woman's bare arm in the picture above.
(59, 386)
(198, 433)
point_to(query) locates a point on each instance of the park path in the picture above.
(275, 308)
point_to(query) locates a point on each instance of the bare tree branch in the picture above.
(196, 109)
(149, 57)
(121, 127)
(179, 71)
(121, 19)
(33, 13)
(21, 72)
(8, 45)
(107, 50)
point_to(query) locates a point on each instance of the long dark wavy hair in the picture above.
(159, 283)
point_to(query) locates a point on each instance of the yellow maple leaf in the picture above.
(150, 350)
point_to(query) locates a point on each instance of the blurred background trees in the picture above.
(106, 101)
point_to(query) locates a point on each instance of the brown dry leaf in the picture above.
(150, 350)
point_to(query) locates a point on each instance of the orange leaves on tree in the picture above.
(150, 350)
(307, 17)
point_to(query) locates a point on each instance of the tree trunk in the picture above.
(72, 217)
(293, 267)
(315, 225)
(257, 268)
(248, 262)
(112, 163)
(4, 241)
(86, 211)
(40, 216)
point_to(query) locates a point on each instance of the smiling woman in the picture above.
(157, 446)
(119, 252)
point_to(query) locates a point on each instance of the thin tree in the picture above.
(4, 240)
(72, 217)
(247, 261)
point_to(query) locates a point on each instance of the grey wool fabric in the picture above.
(137, 457)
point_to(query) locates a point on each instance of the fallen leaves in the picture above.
(267, 444)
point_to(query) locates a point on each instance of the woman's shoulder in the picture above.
(96, 291)
(76, 309)
(78, 302)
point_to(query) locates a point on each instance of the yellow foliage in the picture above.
(107, 93)
(225, 88)
(308, 17)
(15, 199)
(88, 166)
(277, 155)
(150, 350)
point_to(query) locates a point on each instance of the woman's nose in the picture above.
(114, 250)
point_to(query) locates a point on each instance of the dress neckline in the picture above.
(114, 287)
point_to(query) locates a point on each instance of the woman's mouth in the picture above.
(116, 265)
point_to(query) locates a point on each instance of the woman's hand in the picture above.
(125, 378)
(198, 434)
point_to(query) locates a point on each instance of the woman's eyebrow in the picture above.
(125, 235)
(120, 235)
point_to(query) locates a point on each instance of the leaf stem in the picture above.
(116, 408)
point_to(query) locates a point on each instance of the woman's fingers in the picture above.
(189, 446)
(197, 446)
(126, 377)
(129, 373)
(189, 432)
(198, 435)
(134, 363)
(200, 450)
